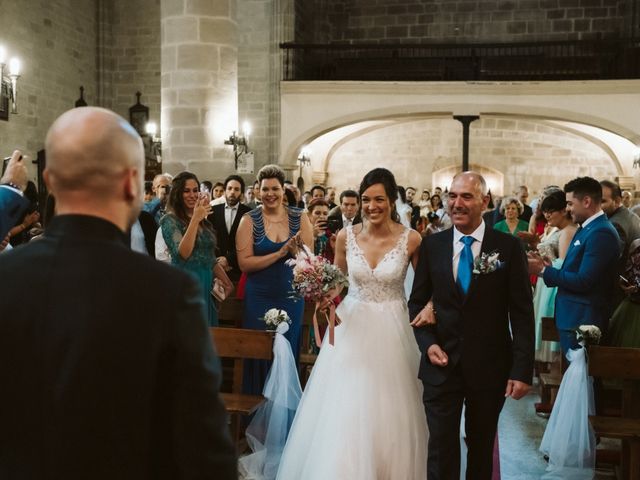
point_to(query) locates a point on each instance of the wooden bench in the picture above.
(623, 364)
(239, 344)
(230, 312)
(549, 382)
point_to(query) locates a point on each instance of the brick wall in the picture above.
(469, 20)
(56, 41)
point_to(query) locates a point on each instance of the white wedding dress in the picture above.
(361, 416)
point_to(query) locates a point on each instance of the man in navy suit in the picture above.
(587, 277)
(481, 348)
(12, 201)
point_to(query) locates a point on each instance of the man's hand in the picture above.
(516, 389)
(4, 243)
(426, 316)
(16, 171)
(537, 263)
(437, 356)
(224, 263)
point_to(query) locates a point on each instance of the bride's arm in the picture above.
(414, 247)
(340, 257)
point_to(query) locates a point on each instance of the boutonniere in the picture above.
(487, 263)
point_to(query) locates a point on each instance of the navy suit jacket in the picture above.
(12, 206)
(587, 277)
(490, 331)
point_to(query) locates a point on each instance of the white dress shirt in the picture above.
(592, 218)
(346, 222)
(230, 215)
(162, 251)
(477, 234)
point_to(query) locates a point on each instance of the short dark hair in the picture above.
(148, 187)
(207, 184)
(291, 198)
(271, 171)
(237, 178)
(288, 182)
(585, 187)
(554, 202)
(616, 191)
(318, 187)
(350, 194)
(411, 188)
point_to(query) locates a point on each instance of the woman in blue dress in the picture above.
(267, 237)
(190, 238)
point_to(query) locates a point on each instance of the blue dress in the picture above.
(270, 288)
(201, 262)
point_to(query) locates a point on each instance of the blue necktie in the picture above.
(465, 265)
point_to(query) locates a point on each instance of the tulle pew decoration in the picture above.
(569, 440)
(314, 280)
(267, 433)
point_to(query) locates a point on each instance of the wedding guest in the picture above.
(331, 197)
(217, 191)
(585, 280)
(161, 186)
(523, 195)
(627, 198)
(318, 191)
(553, 246)
(107, 352)
(12, 186)
(21, 232)
(425, 203)
(306, 197)
(266, 238)
(318, 214)
(627, 224)
(402, 208)
(415, 209)
(511, 209)
(625, 322)
(436, 204)
(289, 198)
(148, 192)
(434, 224)
(348, 213)
(190, 239)
(225, 219)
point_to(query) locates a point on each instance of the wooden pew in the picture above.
(549, 382)
(238, 344)
(622, 364)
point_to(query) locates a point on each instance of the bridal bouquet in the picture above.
(313, 278)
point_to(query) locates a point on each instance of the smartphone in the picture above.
(4, 164)
(333, 224)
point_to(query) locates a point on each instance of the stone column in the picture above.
(199, 86)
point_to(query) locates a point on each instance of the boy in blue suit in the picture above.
(588, 275)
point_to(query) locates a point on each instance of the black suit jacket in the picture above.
(474, 329)
(107, 363)
(226, 241)
(356, 220)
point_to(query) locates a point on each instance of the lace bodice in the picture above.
(383, 283)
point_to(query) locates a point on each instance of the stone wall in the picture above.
(525, 152)
(135, 55)
(56, 41)
(468, 20)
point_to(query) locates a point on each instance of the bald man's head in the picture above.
(94, 155)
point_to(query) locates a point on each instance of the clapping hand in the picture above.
(537, 262)
(292, 246)
(202, 209)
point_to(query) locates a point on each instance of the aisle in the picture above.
(520, 432)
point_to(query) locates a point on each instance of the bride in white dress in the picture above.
(361, 416)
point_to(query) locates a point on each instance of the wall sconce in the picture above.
(240, 142)
(304, 158)
(8, 84)
(155, 141)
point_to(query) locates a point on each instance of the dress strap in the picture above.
(295, 214)
(258, 224)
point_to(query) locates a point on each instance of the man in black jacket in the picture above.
(481, 348)
(225, 218)
(107, 363)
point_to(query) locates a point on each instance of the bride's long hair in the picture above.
(388, 181)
